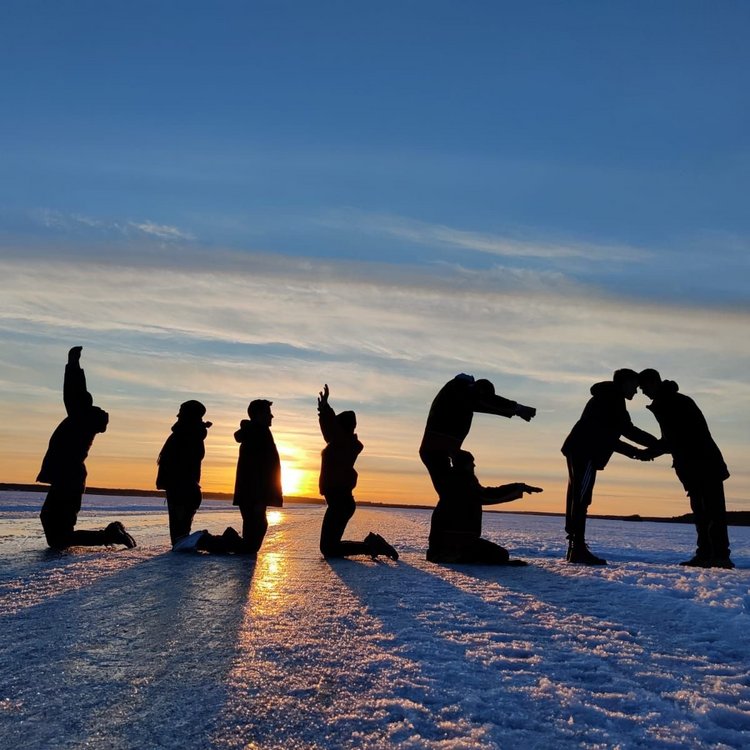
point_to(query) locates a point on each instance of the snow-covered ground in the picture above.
(138, 649)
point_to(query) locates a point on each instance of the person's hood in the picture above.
(606, 388)
(667, 388)
(191, 426)
(247, 429)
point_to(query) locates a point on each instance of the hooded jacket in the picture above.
(337, 472)
(686, 436)
(258, 479)
(596, 435)
(64, 461)
(182, 454)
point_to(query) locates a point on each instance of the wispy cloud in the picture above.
(493, 244)
(76, 222)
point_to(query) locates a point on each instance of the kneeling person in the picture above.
(456, 526)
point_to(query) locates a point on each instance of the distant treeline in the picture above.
(734, 517)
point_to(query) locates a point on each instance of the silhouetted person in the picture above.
(588, 448)
(179, 476)
(456, 524)
(450, 417)
(64, 468)
(698, 463)
(338, 478)
(258, 482)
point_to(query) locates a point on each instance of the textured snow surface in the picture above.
(138, 649)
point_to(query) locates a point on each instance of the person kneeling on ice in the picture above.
(179, 476)
(338, 478)
(456, 526)
(64, 466)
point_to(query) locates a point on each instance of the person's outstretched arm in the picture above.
(504, 407)
(506, 493)
(637, 435)
(75, 394)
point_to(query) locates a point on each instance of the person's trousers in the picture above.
(438, 464)
(254, 525)
(59, 516)
(710, 515)
(340, 509)
(182, 504)
(464, 548)
(581, 478)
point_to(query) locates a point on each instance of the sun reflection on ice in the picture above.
(266, 591)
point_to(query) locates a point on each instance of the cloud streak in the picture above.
(433, 235)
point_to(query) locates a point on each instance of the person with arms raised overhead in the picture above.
(450, 417)
(258, 481)
(588, 448)
(456, 524)
(179, 475)
(64, 467)
(698, 463)
(338, 478)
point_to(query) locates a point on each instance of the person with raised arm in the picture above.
(456, 524)
(338, 478)
(64, 466)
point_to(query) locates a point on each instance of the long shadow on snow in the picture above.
(136, 660)
(443, 629)
(639, 642)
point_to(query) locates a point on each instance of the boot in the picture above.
(580, 554)
(116, 534)
(378, 546)
(696, 561)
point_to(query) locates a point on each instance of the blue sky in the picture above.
(386, 192)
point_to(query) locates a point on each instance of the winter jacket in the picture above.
(71, 441)
(596, 435)
(258, 479)
(686, 436)
(337, 472)
(453, 408)
(180, 458)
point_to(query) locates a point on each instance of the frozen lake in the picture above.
(138, 649)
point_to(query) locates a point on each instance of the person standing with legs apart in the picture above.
(179, 476)
(338, 478)
(64, 468)
(588, 448)
(698, 463)
(258, 482)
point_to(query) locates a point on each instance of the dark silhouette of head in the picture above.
(627, 380)
(191, 410)
(463, 461)
(99, 419)
(650, 381)
(259, 410)
(347, 420)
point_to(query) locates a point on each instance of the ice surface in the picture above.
(138, 649)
